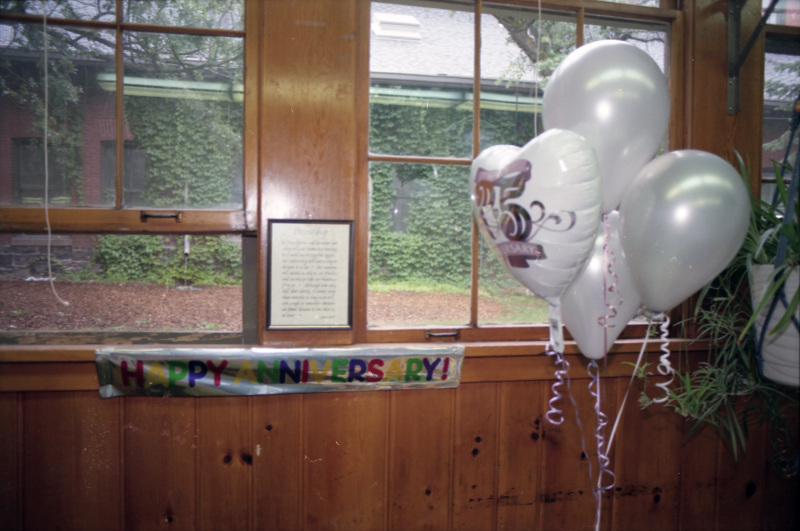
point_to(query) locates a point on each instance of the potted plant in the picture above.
(733, 387)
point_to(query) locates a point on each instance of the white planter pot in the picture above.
(780, 353)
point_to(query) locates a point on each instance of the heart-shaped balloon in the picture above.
(602, 300)
(616, 96)
(538, 207)
(682, 221)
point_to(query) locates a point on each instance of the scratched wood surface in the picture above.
(479, 457)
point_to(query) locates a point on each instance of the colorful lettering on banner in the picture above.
(261, 371)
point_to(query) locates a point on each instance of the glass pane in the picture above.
(786, 12)
(80, 115)
(102, 10)
(650, 37)
(420, 232)
(183, 115)
(501, 298)
(512, 79)
(781, 89)
(217, 14)
(421, 68)
(119, 283)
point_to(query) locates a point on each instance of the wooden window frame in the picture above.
(474, 331)
(118, 218)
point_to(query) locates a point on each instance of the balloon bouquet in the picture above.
(585, 218)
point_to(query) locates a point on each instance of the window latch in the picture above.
(144, 215)
(455, 334)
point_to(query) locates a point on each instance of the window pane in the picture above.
(118, 283)
(421, 68)
(501, 298)
(419, 245)
(781, 89)
(649, 37)
(512, 79)
(786, 12)
(102, 10)
(183, 108)
(80, 115)
(217, 14)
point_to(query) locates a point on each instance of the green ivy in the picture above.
(434, 244)
(212, 260)
(192, 149)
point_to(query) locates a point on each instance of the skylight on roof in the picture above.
(393, 26)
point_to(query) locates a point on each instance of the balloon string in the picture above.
(554, 414)
(603, 460)
(630, 384)
(664, 366)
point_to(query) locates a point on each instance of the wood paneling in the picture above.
(160, 463)
(71, 477)
(482, 456)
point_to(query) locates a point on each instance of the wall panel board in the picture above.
(71, 462)
(420, 459)
(10, 453)
(475, 457)
(160, 462)
(278, 461)
(344, 460)
(522, 432)
(224, 463)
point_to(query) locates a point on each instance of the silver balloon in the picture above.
(538, 208)
(615, 96)
(682, 221)
(602, 300)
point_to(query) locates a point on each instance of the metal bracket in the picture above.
(735, 58)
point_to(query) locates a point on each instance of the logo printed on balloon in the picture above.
(493, 191)
(538, 207)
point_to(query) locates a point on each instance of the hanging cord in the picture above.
(536, 79)
(46, 133)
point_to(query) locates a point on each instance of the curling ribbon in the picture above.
(609, 287)
(603, 470)
(664, 366)
(555, 415)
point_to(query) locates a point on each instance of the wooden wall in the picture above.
(478, 457)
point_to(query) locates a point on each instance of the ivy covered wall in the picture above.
(431, 243)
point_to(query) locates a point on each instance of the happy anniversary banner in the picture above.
(135, 371)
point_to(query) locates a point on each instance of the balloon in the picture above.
(616, 96)
(682, 220)
(598, 305)
(538, 207)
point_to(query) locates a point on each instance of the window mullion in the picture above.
(476, 147)
(119, 115)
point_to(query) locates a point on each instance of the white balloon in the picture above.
(616, 96)
(602, 300)
(538, 207)
(682, 221)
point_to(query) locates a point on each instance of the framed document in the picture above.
(309, 274)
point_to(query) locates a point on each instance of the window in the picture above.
(165, 85)
(144, 118)
(432, 109)
(781, 91)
